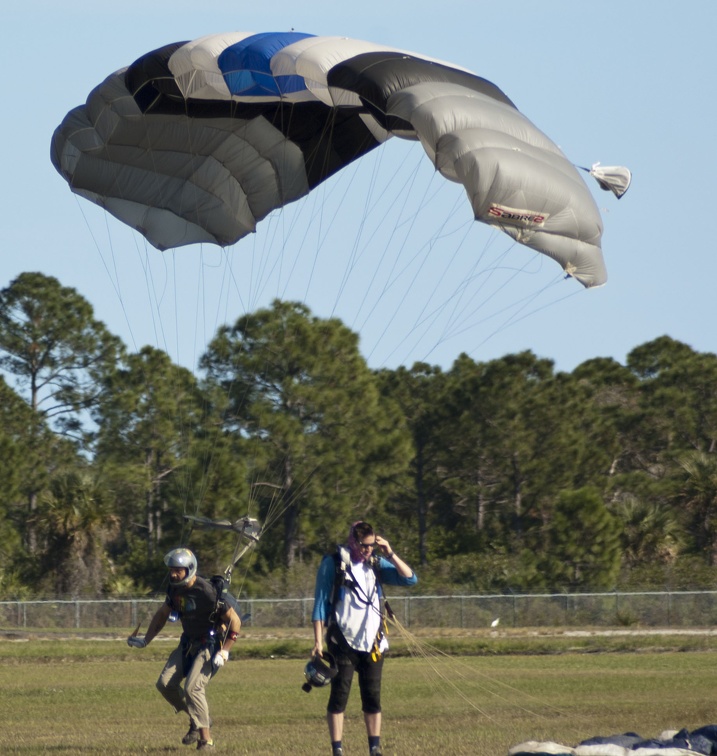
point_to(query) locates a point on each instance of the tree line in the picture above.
(495, 476)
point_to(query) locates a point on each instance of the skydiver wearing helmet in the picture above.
(209, 629)
(347, 603)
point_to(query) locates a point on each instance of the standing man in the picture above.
(209, 629)
(347, 603)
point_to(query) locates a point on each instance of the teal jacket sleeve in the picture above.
(324, 588)
(390, 575)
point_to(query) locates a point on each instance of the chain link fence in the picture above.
(649, 609)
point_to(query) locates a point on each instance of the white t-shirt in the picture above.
(358, 609)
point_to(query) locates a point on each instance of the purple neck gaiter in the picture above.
(357, 553)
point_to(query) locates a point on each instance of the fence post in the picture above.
(669, 608)
(617, 607)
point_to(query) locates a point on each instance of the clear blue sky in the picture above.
(629, 83)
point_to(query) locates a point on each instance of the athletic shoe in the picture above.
(192, 735)
(205, 745)
(376, 751)
(338, 752)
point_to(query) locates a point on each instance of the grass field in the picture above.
(98, 696)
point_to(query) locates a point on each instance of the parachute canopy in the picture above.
(198, 141)
(670, 743)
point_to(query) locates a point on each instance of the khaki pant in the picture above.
(192, 698)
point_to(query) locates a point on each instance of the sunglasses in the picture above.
(367, 546)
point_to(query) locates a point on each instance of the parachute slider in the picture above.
(247, 529)
(611, 178)
(245, 526)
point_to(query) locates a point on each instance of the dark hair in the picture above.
(361, 530)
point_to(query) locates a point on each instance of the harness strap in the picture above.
(343, 577)
(191, 648)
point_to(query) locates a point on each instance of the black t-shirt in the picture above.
(196, 606)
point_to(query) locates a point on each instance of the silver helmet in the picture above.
(319, 671)
(182, 558)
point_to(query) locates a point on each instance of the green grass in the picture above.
(98, 697)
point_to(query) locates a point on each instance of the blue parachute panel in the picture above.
(247, 65)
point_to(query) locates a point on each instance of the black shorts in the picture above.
(369, 674)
